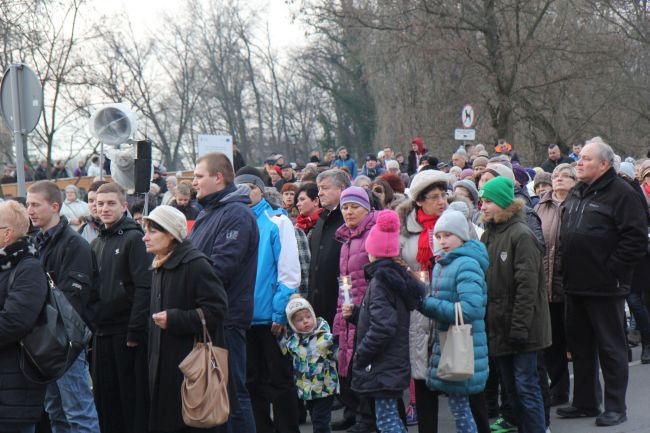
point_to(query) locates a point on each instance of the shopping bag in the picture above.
(457, 350)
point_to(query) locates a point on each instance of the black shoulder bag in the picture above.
(56, 340)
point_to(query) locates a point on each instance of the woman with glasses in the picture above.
(563, 179)
(23, 288)
(418, 216)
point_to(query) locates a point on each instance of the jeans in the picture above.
(459, 407)
(241, 420)
(387, 416)
(320, 411)
(520, 380)
(69, 401)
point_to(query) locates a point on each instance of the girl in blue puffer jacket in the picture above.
(459, 276)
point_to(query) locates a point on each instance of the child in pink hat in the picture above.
(381, 368)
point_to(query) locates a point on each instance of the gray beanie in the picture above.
(469, 186)
(627, 169)
(250, 178)
(454, 222)
(171, 219)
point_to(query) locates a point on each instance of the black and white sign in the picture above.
(467, 116)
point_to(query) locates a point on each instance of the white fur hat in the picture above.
(171, 219)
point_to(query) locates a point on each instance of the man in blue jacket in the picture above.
(343, 159)
(226, 232)
(270, 379)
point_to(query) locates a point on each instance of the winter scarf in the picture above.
(425, 254)
(305, 223)
(12, 254)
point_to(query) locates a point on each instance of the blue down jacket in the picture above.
(460, 276)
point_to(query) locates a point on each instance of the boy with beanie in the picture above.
(517, 309)
(458, 277)
(311, 346)
(381, 367)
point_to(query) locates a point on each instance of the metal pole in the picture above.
(146, 204)
(19, 137)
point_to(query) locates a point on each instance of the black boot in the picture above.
(645, 350)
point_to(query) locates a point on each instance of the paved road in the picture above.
(638, 401)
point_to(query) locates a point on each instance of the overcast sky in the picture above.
(147, 13)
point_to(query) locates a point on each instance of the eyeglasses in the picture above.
(436, 197)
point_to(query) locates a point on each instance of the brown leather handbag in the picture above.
(204, 392)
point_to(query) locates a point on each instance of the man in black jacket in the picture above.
(603, 235)
(67, 257)
(226, 231)
(555, 158)
(119, 345)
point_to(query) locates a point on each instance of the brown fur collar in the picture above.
(507, 213)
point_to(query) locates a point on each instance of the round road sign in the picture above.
(21, 83)
(467, 116)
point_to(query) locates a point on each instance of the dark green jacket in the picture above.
(517, 314)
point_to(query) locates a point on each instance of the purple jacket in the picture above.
(353, 258)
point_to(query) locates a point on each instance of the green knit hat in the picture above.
(499, 190)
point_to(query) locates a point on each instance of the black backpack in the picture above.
(56, 340)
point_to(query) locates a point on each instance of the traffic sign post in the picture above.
(467, 119)
(21, 103)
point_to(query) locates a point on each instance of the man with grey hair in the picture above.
(555, 158)
(603, 235)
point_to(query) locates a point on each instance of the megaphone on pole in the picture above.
(113, 124)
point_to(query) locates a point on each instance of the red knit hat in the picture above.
(383, 239)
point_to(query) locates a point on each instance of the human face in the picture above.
(459, 191)
(478, 170)
(379, 192)
(170, 185)
(203, 183)
(305, 205)
(388, 153)
(288, 198)
(137, 217)
(7, 234)
(490, 209)
(92, 203)
(343, 154)
(287, 173)
(563, 181)
(543, 188)
(304, 321)
(157, 242)
(363, 184)
(434, 203)
(371, 164)
(329, 193)
(414, 147)
(182, 200)
(554, 153)
(274, 176)
(255, 195)
(110, 208)
(484, 178)
(353, 214)
(458, 161)
(43, 214)
(448, 241)
(70, 195)
(577, 148)
(590, 167)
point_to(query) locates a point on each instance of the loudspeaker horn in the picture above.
(113, 124)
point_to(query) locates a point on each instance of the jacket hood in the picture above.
(123, 225)
(408, 224)
(230, 194)
(344, 233)
(396, 278)
(472, 248)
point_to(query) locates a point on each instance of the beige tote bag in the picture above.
(204, 392)
(456, 350)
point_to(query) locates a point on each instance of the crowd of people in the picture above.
(333, 287)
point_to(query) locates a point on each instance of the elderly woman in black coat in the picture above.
(183, 280)
(23, 288)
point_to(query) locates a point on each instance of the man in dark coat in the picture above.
(555, 158)
(67, 257)
(120, 340)
(325, 249)
(603, 236)
(226, 231)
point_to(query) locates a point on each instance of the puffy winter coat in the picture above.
(353, 259)
(21, 400)
(518, 317)
(183, 283)
(226, 232)
(459, 277)
(381, 361)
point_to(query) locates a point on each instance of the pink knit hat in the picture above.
(383, 239)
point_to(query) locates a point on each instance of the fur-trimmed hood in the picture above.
(507, 214)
